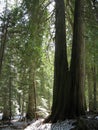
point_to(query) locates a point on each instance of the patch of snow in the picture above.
(96, 117)
(64, 125)
(34, 125)
(1, 114)
(88, 117)
(7, 128)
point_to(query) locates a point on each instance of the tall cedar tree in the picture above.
(68, 96)
(60, 66)
(77, 68)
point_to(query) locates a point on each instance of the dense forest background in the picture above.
(27, 48)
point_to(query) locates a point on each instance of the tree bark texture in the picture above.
(68, 91)
(77, 68)
(59, 106)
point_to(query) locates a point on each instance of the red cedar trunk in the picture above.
(77, 68)
(59, 105)
(68, 99)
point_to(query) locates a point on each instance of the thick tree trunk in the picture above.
(68, 97)
(77, 68)
(59, 106)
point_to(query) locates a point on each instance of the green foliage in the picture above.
(28, 36)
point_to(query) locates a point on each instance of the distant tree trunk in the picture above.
(90, 91)
(3, 39)
(31, 112)
(23, 105)
(77, 68)
(94, 84)
(7, 110)
(10, 98)
(19, 102)
(35, 103)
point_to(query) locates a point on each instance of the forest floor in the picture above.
(83, 123)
